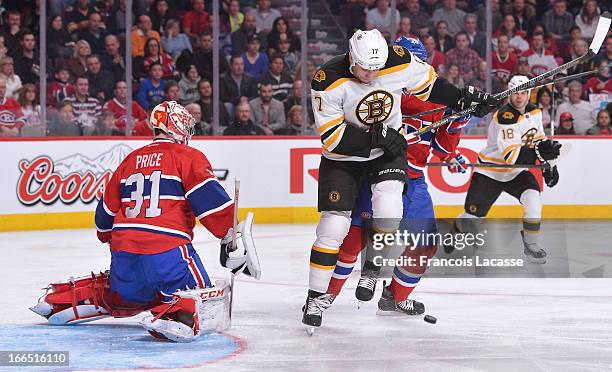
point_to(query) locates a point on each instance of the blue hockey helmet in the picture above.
(414, 45)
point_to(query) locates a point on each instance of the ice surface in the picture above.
(483, 324)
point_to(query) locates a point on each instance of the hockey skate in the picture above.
(388, 306)
(533, 252)
(316, 303)
(367, 282)
(449, 248)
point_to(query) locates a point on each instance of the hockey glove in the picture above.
(547, 150)
(456, 162)
(483, 101)
(388, 139)
(242, 258)
(551, 176)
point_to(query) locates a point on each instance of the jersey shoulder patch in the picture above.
(507, 115)
(331, 72)
(398, 55)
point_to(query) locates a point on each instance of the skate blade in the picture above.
(396, 314)
(310, 330)
(387, 313)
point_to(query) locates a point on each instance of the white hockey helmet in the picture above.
(368, 49)
(174, 120)
(517, 80)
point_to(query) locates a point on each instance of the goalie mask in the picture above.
(368, 50)
(174, 120)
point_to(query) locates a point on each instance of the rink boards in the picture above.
(55, 183)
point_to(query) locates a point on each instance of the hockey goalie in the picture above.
(147, 215)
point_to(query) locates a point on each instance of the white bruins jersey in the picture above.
(508, 131)
(344, 109)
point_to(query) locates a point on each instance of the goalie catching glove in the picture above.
(244, 258)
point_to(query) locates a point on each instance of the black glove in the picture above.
(485, 102)
(551, 176)
(547, 150)
(388, 139)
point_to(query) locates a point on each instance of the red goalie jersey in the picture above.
(151, 202)
(440, 142)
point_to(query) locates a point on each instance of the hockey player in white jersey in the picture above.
(515, 136)
(356, 101)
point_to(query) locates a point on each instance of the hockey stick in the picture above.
(432, 111)
(568, 77)
(487, 165)
(600, 34)
(565, 78)
(235, 227)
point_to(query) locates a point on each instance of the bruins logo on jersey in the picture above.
(375, 107)
(399, 50)
(528, 137)
(509, 115)
(319, 76)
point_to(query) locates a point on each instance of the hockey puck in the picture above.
(430, 319)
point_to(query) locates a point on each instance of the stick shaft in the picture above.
(480, 165)
(235, 223)
(234, 228)
(527, 85)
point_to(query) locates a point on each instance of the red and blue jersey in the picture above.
(151, 202)
(441, 141)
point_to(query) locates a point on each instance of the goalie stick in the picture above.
(600, 34)
(235, 227)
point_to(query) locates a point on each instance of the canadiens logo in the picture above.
(76, 177)
(399, 50)
(319, 76)
(375, 107)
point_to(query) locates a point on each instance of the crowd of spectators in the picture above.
(529, 37)
(260, 62)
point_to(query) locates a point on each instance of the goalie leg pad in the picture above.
(83, 299)
(191, 313)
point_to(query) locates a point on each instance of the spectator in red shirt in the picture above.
(153, 53)
(463, 56)
(405, 28)
(60, 88)
(11, 117)
(196, 21)
(503, 60)
(117, 106)
(601, 82)
(540, 59)
(434, 57)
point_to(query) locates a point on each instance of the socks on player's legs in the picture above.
(349, 250)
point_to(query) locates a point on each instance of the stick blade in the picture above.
(601, 32)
